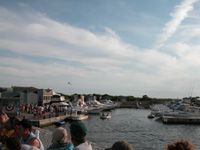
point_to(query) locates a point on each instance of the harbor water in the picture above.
(133, 126)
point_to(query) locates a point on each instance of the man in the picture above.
(78, 136)
(3, 118)
(23, 131)
(122, 145)
(14, 143)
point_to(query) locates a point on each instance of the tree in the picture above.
(145, 98)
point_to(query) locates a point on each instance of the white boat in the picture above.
(158, 110)
(79, 117)
(76, 116)
(94, 110)
(108, 103)
(103, 116)
(190, 115)
(151, 116)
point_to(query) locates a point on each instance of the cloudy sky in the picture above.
(116, 47)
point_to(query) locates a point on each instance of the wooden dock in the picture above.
(48, 121)
(45, 122)
(180, 120)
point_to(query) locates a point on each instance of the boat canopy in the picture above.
(60, 104)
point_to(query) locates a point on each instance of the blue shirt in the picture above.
(32, 136)
(61, 146)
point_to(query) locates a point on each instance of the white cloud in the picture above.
(180, 13)
(53, 53)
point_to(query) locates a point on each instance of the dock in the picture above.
(180, 120)
(47, 121)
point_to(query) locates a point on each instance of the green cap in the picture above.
(78, 129)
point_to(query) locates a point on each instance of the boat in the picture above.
(105, 117)
(59, 122)
(158, 110)
(150, 116)
(190, 115)
(79, 117)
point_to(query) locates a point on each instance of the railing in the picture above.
(46, 136)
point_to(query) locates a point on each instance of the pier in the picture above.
(180, 120)
(47, 121)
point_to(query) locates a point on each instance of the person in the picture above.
(14, 143)
(23, 131)
(57, 110)
(44, 114)
(40, 112)
(51, 110)
(37, 112)
(34, 113)
(120, 145)
(79, 136)
(17, 112)
(180, 145)
(10, 127)
(60, 140)
(3, 118)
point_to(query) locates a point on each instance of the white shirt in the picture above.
(83, 146)
(29, 147)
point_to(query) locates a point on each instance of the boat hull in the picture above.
(79, 117)
(105, 117)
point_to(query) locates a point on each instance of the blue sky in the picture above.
(116, 47)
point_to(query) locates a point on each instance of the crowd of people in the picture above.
(40, 111)
(16, 134)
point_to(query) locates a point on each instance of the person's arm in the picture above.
(34, 142)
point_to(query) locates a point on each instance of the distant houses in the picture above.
(12, 97)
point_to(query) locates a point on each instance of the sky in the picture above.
(115, 47)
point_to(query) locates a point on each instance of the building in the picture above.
(27, 95)
(9, 101)
(44, 96)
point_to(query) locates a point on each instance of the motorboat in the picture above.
(158, 110)
(191, 114)
(108, 103)
(79, 117)
(59, 122)
(105, 117)
(150, 116)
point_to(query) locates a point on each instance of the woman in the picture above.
(60, 140)
(180, 145)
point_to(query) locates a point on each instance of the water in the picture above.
(133, 126)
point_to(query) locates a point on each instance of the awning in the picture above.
(60, 104)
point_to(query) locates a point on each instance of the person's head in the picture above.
(78, 132)
(120, 145)
(3, 117)
(13, 143)
(180, 145)
(12, 123)
(60, 136)
(24, 127)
